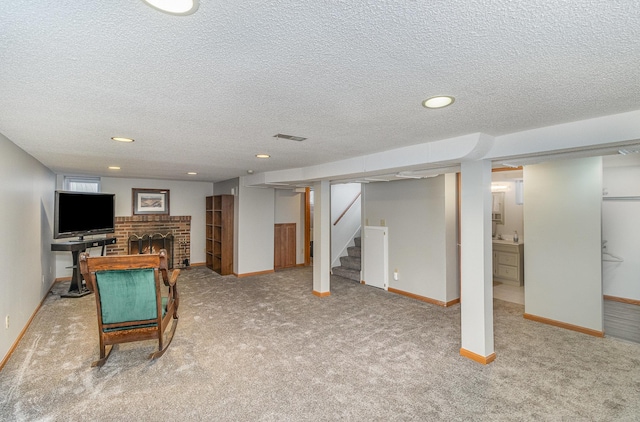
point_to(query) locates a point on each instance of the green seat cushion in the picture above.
(127, 295)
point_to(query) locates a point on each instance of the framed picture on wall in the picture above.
(150, 201)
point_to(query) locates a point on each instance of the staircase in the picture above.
(350, 264)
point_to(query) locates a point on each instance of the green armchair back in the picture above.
(127, 295)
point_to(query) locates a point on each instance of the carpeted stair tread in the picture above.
(350, 265)
(351, 262)
(354, 251)
(347, 273)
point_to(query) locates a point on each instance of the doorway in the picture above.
(620, 258)
(508, 234)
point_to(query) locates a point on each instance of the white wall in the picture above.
(254, 216)
(289, 208)
(451, 237)
(227, 187)
(420, 240)
(562, 214)
(26, 224)
(621, 229)
(476, 302)
(185, 198)
(255, 229)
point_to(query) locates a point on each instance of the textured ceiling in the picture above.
(207, 92)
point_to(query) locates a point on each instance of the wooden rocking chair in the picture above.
(129, 299)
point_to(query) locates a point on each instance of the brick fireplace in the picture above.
(148, 226)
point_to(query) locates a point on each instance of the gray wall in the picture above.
(256, 217)
(451, 237)
(26, 224)
(227, 187)
(420, 216)
(562, 215)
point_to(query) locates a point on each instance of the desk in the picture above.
(76, 288)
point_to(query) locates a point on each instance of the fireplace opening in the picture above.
(152, 243)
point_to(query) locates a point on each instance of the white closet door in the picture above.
(376, 256)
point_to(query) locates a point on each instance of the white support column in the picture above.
(321, 238)
(476, 262)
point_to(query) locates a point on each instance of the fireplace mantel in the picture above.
(154, 218)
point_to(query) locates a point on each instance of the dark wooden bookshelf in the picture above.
(219, 233)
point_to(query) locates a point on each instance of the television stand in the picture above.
(77, 288)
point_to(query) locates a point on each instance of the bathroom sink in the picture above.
(506, 242)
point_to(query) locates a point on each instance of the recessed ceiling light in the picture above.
(174, 7)
(121, 139)
(249, 171)
(114, 168)
(438, 101)
(262, 156)
(191, 173)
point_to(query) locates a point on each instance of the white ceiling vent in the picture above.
(291, 137)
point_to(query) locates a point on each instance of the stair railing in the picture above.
(348, 208)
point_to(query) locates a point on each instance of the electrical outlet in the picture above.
(6, 322)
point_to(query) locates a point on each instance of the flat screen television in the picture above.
(79, 214)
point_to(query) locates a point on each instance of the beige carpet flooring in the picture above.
(265, 349)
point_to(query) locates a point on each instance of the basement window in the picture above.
(81, 184)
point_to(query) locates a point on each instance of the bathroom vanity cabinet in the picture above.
(508, 262)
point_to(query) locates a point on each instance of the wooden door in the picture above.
(284, 245)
